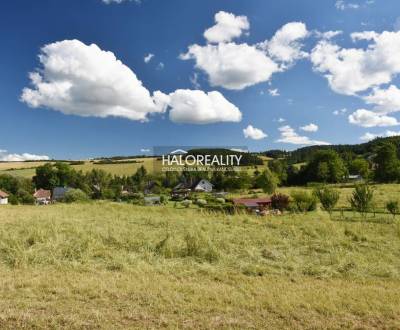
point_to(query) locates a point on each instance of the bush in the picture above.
(75, 195)
(24, 197)
(392, 207)
(186, 203)
(328, 198)
(201, 202)
(220, 200)
(362, 199)
(304, 201)
(280, 202)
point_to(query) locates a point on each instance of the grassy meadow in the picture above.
(27, 169)
(108, 265)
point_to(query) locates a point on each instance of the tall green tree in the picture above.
(267, 181)
(325, 166)
(387, 165)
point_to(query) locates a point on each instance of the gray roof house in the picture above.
(59, 193)
(201, 185)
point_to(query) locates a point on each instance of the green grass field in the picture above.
(108, 265)
(27, 169)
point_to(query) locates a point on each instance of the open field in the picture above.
(108, 265)
(27, 169)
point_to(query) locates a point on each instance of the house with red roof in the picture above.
(3, 198)
(254, 204)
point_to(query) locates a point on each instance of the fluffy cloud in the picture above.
(385, 100)
(227, 27)
(232, 66)
(197, 107)
(366, 118)
(285, 46)
(352, 70)
(6, 157)
(83, 80)
(237, 66)
(289, 135)
(309, 128)
(253, 133)
(370, 136)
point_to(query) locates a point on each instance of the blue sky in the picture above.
(231, 88)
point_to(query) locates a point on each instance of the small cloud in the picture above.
(148, 58)
(281, 120)
(340, 112)
(344, 5)
(145, 150)
(160, 66)
(309, 128)
(289, 135)
(253, 133)
(273, 92)
(327, 35)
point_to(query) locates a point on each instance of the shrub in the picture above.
(24, 197)
(362, 199)
(75, 195)
(280, 202)
(201, 202)
(328, 198)
(304, 201)
(186, 203)
(393, 207)
(220, 200)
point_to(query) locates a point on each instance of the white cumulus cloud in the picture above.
(309, 128)
(370, 136)
(197, 107)
(289, 135)
(285, 46)
(384, 100)
(78, 79)
(237, 66)
(9, 157)
(253, 133)
(232, 66)
(353, 70)
(366, 118)
(227, 27)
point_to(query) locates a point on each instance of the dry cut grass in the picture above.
(108, 265)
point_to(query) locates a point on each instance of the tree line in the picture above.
(325, 166)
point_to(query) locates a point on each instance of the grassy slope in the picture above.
(27, 169)
(109, 265)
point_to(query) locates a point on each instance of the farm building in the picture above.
(355, 178)
(42, 197)
(254, 204)
(3, 198)
(59, 193)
